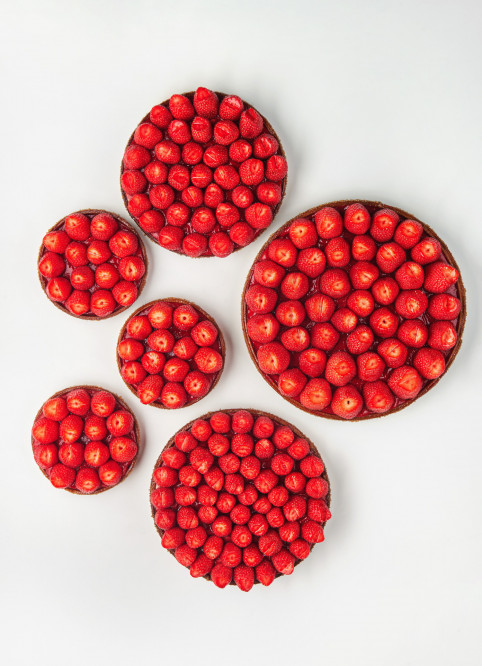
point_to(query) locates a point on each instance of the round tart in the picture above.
(353, 310)
(85, 439)
(240, 497)
(170, 353)
(203, 174)
(92, 264)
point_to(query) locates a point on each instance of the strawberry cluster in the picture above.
(170, 353)
(241, 497)
(351, 312)
(203, 174)
(92, 264)
(85, 440)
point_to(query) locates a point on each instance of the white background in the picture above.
(375, 100)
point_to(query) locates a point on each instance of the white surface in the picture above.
(378, 100)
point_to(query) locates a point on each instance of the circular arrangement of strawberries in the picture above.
(170, 353)
(203, 174)
(353, 310)
(240, 497)
(85, 439)
(92, 264)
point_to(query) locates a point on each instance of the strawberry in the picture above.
(300, 549)
(357, 219)
(201, 566)
(344, 320)
(294, 509)
(430, 363)
(295, 482)
(295, 339)
(337, 252)
(284, 562)
(95, 428)
(318, 511)
(166, 477)
(359, 340)
(122, 449)
(426, 251)
(405, 382)
(289, 531)
(316, 395)
(273, 358)
(444, 307)
(71, 428)
(363, 248)
(312, 466)
(302, 233)
(225, 132)
(55, 409)
(265, 481)
(439, 276)
(278, 496)
(311, 261)
(268, 273)
(56, 241)
(312, 362)
(408, 233)
(291, 382)
(393, 352)
(45, 430)
(265, 573)
(120, 422)
(61, 476)
(442, 335)
(164, 518)
(317, 488)
(370, 366)
(185, 555)
(283, 252)
(251, 172)
(221, 575)
(290, 313)
(411, 304)
(87, 481)
(96, 454)
(258, 524)
(384, 322)
(378, 397)
(340, 369)
(335, 283)
(347, 403)
(312, 532)
(361, 302)
(384, 223)
(276, 168)
(410, 275)
(363, 274)
(413, 333)
(46, 455)
(51, 265)
(295, 285)
(250, 124)
(244, 577)
(390, 256)
(77, 225)
(320, 307)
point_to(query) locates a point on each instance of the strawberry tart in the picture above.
(203, 174)
(92, 264)
(85, 440)
(170, 353)
(240, 497)
(353, 310)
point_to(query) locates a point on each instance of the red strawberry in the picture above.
(87, 480)
(311, 261)
(244, 577)
(390, 256)
(250, 124)
(291, 382)
(444, 307)
(363, 248)
(62, 476)
(320, 307)
(439, 277)
(300, 549)
(429, 362)
(316, 395)
(45, 430)
(411, 304)
(378, 397)
(393, 352)
(221, 575)
(408, 233)
(360, 340)
(273, 358)
(312, 532)
(337, 252)
(405, 382)
(295, 339)
(346, 403)
(357, 219)
(340, 368)
(370, 366)
(150, 389)
(384, 223)
(265, 573)
(426, 251)
(284, 562)
(410, 275)
(312, 362)
(413, 333)
(363, 274)
(442, 335)
(302, 233)
(384, 322)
